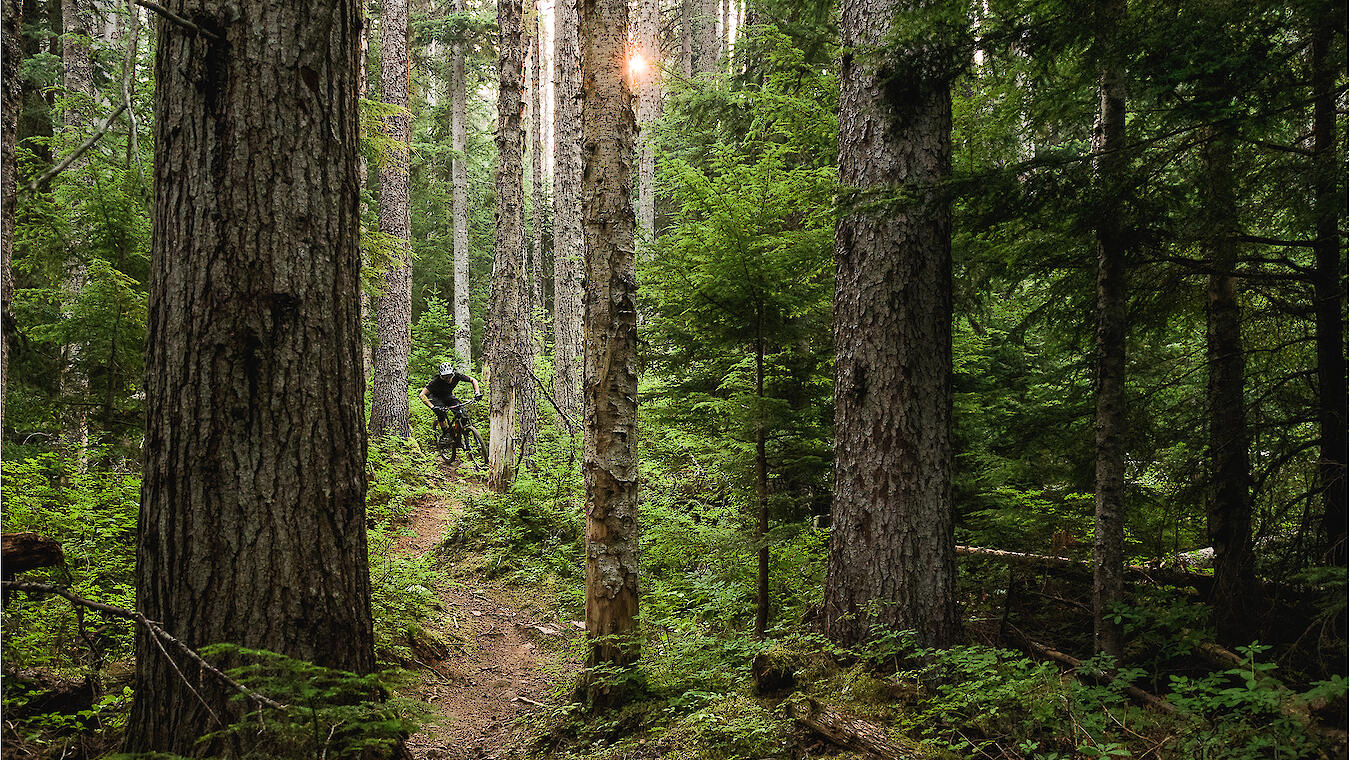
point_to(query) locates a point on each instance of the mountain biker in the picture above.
(440, 392)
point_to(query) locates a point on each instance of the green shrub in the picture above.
(92, 514)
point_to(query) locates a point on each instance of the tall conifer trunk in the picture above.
(1108, 552)
(1329, 291)
(1234, 596)
(252, 518)
(609, 463)
(649, 110)
(567, 240)
(11, 98)
(688, 35)
(76, 59)
(393, 310)
(708, 44)
(527, 406)
(504, 328)
(459, 191)
(892, 562)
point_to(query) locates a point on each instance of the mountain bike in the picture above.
(460, 435)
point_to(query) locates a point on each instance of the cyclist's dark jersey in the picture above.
(442, 391)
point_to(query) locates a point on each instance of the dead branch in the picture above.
(1151, 701)
(45, 177)
(160, 635)
(175, 18)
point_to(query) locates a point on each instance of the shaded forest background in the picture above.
(1232, 191)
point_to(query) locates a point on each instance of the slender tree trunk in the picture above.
(649, 110)
(1329, 293)
(393, 310)
(609, 463)
(709, 47)
(363, 175)
(688, 35)
(1108, 553)
(11, 99)
(76, 59)
(538, 218)
(460, 193)
(527, 404)
(761, 487)
(504, 326)
(1234, 596)
(567, 240)
(252, 521)
(892, 561)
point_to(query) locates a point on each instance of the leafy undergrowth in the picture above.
(68, 673)
(693, 696)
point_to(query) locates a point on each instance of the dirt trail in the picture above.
(497, 668)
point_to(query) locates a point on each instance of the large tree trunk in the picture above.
(393, 310)
(77, 60)
(609, 463)
(504, 326)
(527, 406)
(11, 99)
(649, 110)
(1329, 291)
(1108, 552)
(252, 520)
(1230, 512)
(459, 193)
(567, 242)
(892, 563)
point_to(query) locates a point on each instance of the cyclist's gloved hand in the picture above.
(477, 397)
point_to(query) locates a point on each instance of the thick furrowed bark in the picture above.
(504, 327)
(892, 563)
(252, 522)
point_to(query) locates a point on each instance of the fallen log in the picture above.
(1152, 701)
(1168, 576)
(20, 552)
(852, 733)
(1291, 704)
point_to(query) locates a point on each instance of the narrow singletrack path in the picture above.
(500, 663)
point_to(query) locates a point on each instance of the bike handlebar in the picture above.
(460, 405)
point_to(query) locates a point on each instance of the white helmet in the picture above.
(446, 369)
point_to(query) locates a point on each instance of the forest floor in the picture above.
(502, 662)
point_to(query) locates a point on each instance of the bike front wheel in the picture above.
(475, 453)
(446, 447)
